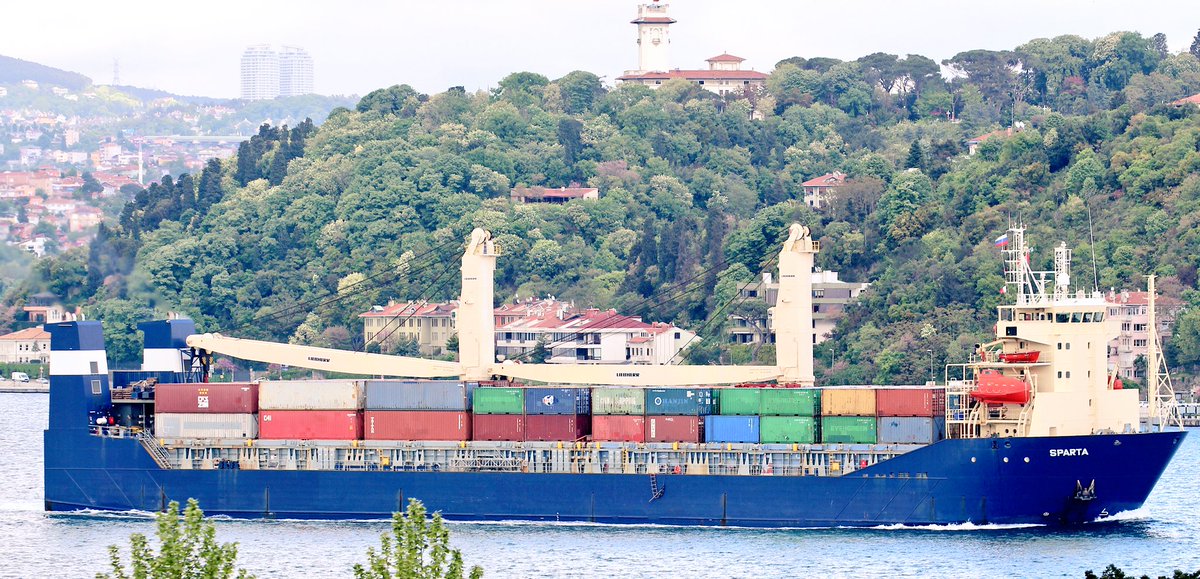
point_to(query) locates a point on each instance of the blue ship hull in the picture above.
(1001, 481)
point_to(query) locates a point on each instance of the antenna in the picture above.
(1092, 243)
(116, 72)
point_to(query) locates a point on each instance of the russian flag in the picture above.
(1002, 240)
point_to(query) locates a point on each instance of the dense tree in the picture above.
(418, 547)
(188, 549)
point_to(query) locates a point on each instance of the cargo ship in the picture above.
(1029, 430)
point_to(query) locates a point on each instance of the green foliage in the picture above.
(417, 548)
(691, 185)
(188, 549)
(1112, 572)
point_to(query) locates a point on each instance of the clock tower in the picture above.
(653, 38)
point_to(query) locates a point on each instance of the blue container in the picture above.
(731, 429)
(449, 395)
(911, 429)
(680, 401)
(558, 401)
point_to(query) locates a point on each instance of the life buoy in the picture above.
(678, 469)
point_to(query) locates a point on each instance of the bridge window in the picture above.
(1062, 318)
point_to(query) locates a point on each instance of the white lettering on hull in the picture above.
(1068, 452)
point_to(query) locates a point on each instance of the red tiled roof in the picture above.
(412, 309)
(34, 333)
(827, 180)
(1194, 99)
(698, 75)
(999, 133)
(725, 57)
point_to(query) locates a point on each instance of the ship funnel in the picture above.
(476, 321)
(164, 344)
(78, 374)
(793, 309)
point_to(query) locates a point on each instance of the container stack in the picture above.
(499, 414)
(738, 420)
(558, 413)
(848, 416)
(677, 414)
(311, 410)
(911, 415)
(619, 414)
(790, 415)
(206, 410)
(417, 410)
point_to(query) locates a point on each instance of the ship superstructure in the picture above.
(1030, 430)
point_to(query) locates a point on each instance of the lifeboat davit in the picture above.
(1030, 357)
(992, 387)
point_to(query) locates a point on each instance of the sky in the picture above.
(194, 48)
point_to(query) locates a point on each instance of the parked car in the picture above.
(43, 381)
(20, 377)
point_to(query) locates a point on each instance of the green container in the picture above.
(618, 401)
(740, 401)
(498, 401)
(791, 401)
(787, 429)
(849, 429)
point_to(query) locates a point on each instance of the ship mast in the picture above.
(1164, 410)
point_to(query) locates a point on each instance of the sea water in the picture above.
(1160, 537)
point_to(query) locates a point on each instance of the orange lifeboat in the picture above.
(1030, 357)
(992, 387)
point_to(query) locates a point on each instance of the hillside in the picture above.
(696, 192)
(15, 70)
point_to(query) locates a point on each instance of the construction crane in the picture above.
(477, 337)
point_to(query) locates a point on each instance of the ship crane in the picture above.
(477, 337)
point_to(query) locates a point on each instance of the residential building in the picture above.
(28, 346)
(590, 337)
(569, 336)
(260, 73)
(1194, 100)
(1130, 309)
(723, 76)
(973, 144)
(431, 325)
(559, 195)
(818, 191)
(44, 308)
(295, 72)
(830, 298)
(267, 73)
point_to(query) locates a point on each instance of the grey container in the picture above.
(618, 401)
(446, 395)
(187, 425)
(311, 395)
(911, 429)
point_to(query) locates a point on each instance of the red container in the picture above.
(220, 398)
(310, 425)
(416, 425)
(619, 428)
(498, 427)
(910, 402)
(565, 427)
(674, 428)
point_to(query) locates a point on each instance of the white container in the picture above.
(311, 395)
(206, 425)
